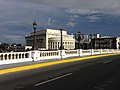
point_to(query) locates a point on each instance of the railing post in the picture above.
(92, 51)
(79, 52)
(100, 51)
(62, 53)
(108, 51)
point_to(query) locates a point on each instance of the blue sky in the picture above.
(86, 16)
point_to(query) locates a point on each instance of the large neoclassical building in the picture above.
(50, 39)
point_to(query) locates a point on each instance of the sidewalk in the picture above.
(37, 64)
(14, 65)
(7, 66)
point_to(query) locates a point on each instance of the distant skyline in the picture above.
(86, 16)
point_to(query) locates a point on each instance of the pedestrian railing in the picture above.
(16, 57)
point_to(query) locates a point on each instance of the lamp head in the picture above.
(34, 24)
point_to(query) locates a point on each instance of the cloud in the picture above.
(83, 11)
(76, 3)
(50, 21)
(93, 18)
(17, 16)
(12, 39)
(71, 24)
(108, 6)
(76, 16)
(72, 20)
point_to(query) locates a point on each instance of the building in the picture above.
(96, 41)
(84, 42)
(105, 42)
(50, 39)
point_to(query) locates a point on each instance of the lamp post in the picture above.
(91, 41)
(100, 42)
(61, 44)
(79, 38)
(91, 44)
(119, 45)
(106, 43)
(34, 35)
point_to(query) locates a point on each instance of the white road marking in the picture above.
(107, 62)
(44, 82)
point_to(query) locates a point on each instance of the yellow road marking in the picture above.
(22, 68)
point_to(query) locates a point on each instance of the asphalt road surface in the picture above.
(93, 74)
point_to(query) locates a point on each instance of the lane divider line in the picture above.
(40, 65)
(44, 82)
(107, 62)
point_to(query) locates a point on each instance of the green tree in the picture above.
(4, 47)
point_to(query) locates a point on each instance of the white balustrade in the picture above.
(17, 57)
(14, 57)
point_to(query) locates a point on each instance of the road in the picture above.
(93, 74)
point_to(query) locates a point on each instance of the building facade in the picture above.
(96, 41)
(83, 43)
(106, 42)
(50, 39)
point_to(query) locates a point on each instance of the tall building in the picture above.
(50, 39)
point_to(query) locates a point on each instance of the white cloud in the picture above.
(50, 21)
(72, 20)
(83, 11)
(76, 16)
(83, 6)
(24, 12)
(93, 18)
(71, 24)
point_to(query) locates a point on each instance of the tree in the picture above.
(4, 47)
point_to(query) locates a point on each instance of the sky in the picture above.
(86, 16)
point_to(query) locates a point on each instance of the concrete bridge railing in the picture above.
(17, 57)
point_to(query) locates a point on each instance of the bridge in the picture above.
(93, 72)
(17, 57)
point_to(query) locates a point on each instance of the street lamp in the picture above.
(106, 43)
(61, 44)
(100, 41)
(119, 45)
(34, 35)
(79, 38)
(91, 41)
